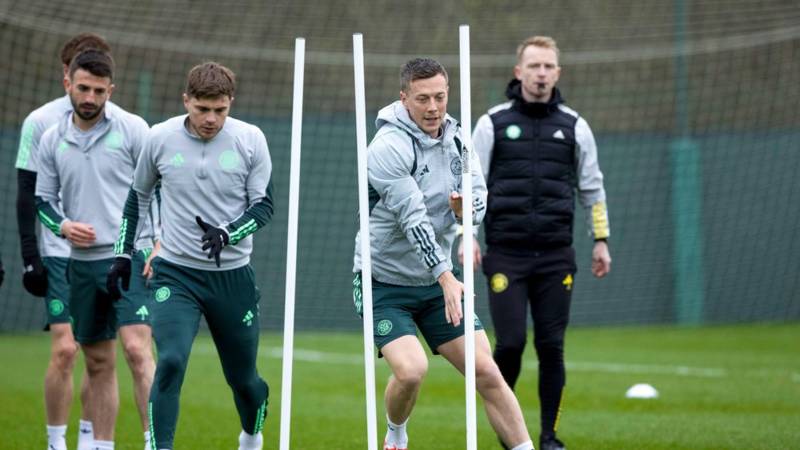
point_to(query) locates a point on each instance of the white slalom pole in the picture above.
(291, 244)
(469, 279)
(366, 259)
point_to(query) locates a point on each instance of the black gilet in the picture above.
(531, 182)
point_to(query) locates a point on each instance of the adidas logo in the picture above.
(248, 318)
(177, 160)
(558, 134)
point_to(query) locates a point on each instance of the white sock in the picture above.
(250, 441)
(85, 435)
(56, 437)
(524, 446)
(147, 440)
(396, 434)
(103, 445)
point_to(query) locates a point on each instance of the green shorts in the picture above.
(56, 299)
(95, 317)
(399, 310)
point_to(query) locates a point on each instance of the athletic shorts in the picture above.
(95, 317)
(56, 299)
(401, 310)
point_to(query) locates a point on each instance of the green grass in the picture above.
(720, 387)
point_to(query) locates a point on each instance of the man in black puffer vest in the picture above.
(536, 154)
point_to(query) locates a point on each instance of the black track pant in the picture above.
(542, 280)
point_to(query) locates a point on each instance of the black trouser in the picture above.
(543, 280)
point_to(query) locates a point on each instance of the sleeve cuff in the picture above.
(439, 269)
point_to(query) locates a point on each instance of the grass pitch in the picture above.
(722, 387)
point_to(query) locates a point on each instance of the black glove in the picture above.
(2, 273)
(214, 239)
(120, 270)
(34, 276)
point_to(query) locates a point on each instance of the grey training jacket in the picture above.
(92, 171)
(411, 176)
(219, 180)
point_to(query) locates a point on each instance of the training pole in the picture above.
(366, 259)
(466, 238)
(291, 244)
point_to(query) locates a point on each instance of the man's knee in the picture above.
(550, 351)
(171, 364)
(252, 388)
(63, 348)
(487, 374)
(410, 373)
(100, 358)
(138, 354)
(63, 355)
(510, 344)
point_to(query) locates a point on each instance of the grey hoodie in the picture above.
(411, 176)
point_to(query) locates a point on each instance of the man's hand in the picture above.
(120, 270)
(453, 291)
(148, 268)
(80, 234)
(34, 276)
(601, 259)
(455, 201)
(476, 252)
(214, 239)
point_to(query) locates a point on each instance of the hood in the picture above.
(396, 114)
(514, 93)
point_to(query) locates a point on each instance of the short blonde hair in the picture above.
(538, 41)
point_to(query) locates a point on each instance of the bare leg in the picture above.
(409, 365)
(86, 414)
(501, 405)
(137, 344)
(58, 378)
(101, 370)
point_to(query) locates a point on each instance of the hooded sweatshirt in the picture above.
(411, 176)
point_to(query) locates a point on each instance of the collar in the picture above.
(535, 109)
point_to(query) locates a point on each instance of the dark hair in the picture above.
(96, 62)
(81, 42)
(210, 80)
(420, 69)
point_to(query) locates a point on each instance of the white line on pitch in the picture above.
(315, 356)
(345, 358)
(647, 368)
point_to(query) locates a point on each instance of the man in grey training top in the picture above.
(44, 261)
(216, 191)
(414, 166)
(85, 164)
